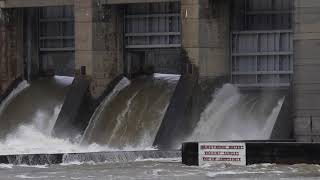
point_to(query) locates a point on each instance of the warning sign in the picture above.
(222, 153)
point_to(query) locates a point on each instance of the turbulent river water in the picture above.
(161, 169)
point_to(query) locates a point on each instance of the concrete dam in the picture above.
(132, 75)
(132, 117)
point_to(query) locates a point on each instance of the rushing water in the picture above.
(28, 115)
(235, 116)
(35, 105)
(160, 169)
(132, 115)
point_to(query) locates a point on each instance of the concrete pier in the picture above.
(11, 45)
(306, 71)
(205, 35)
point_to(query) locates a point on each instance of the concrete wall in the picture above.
(306, 80)
(11, 45)
(205, 35)
(99, 42)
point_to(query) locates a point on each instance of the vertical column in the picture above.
(214, 32)
(205, 35)
(98, 42)
(190, 30)
(107, 46)
(83, 16)
(11, 40)
(306, 81)
(3, 59)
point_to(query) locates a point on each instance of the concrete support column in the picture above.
(83, 17)
(11, 45)
(98, 42)
(205, 35)
(306, 81)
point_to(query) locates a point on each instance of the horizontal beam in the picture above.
(56, 49)
(43, 3)
(153, 46)
(56, 37)
(153, 15)
(153, 34)
(136, 1)
(263, 32)
(34, 3)
(263, 73)
(281, 53)
(57, 20)
(258, 85)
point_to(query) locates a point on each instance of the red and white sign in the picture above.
(222, 153)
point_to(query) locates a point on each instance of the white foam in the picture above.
(226, 119)
(168, 77)
(6, 166)
(35, 138)
(158, 160)
(64, 80)
(221, 173)
(28, 139)
(156, 172)
(23, 176)
(34, 166)
(75, 177)
(72, 163)
(45, 122)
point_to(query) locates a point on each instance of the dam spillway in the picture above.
(36, 104)
(130, 116)
(133, 116)
(28, 116)
(235, 115)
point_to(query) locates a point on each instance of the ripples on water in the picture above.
(160, 169)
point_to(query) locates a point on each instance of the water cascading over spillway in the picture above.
(235, 116)
(132, 117)
(38, 104)
(29, 113)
